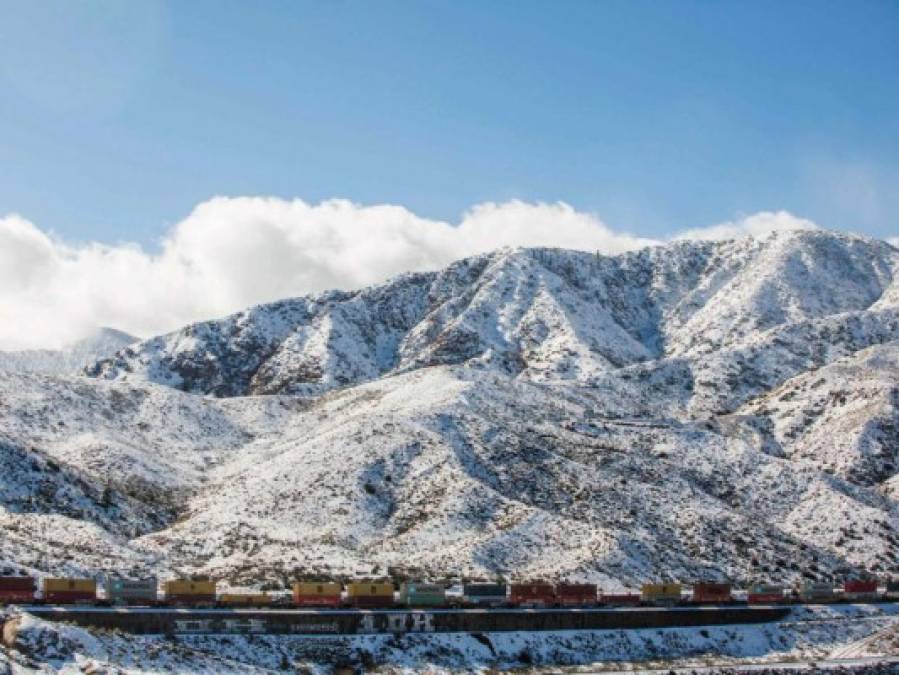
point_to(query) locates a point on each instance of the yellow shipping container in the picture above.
(188, 587)
(313, 588)
(68, 585)
(661, 591)
(361, 590)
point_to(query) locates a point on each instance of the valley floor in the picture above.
(851, 636)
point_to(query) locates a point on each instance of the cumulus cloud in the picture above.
(233, 252)
(230, 253)
(757, 225)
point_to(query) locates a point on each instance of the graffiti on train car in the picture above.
(204, 626)
(306, 628)
(393, 622)
(397, 622)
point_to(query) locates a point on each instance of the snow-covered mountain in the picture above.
(725, 409)
(556, 316)
(70, 360)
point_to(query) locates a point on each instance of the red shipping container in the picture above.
(17, 589)
(532, 595)
(711, 592)
(576, 594)
(628, 599)
(860, 587)
(860, 590)
(764, 598)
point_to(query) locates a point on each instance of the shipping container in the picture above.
(416, 594)
(485, 594)
(66, 590)
(712, 592)
(665, 593)
(17, 589)
(189, 592)
(532, 595)
(764, 594)
(860, 590)
(620, 599)
(814, 591)
(245, 599)
(131, 591)
(370, 594)
(892, 590)
(316, 594)
(571, 595)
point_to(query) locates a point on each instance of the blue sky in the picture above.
(117, 118)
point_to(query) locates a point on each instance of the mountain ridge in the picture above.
(522, 311)
(719, 410)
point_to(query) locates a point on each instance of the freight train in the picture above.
(384, 594)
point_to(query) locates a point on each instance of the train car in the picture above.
(485, 595)
(190, 592)
(661, 593)
(532, 595)
(892, 590)
(576, 595)
(706, 592)
(131, 591)
(316, 594)
(370, 594)
(860, 589)
(17, 589)
(245, 599)
(619, 599)
(65, 591)
(417, 594)
(765, 594)
(815, 591)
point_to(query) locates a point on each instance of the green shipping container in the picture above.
(422, 595)
(485, 590)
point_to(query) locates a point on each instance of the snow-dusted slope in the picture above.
(702, 409)
(447, 469)
(70, 360)
(85, 465)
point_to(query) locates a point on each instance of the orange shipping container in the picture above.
(370, 594)
(712, 592)
(69, 590)
(186, 590)
(317, 593)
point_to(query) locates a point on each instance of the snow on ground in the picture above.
(445, 469)
(717, 410)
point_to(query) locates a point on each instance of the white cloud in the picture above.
(894, 241)
(230, 253)
(757, 225)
